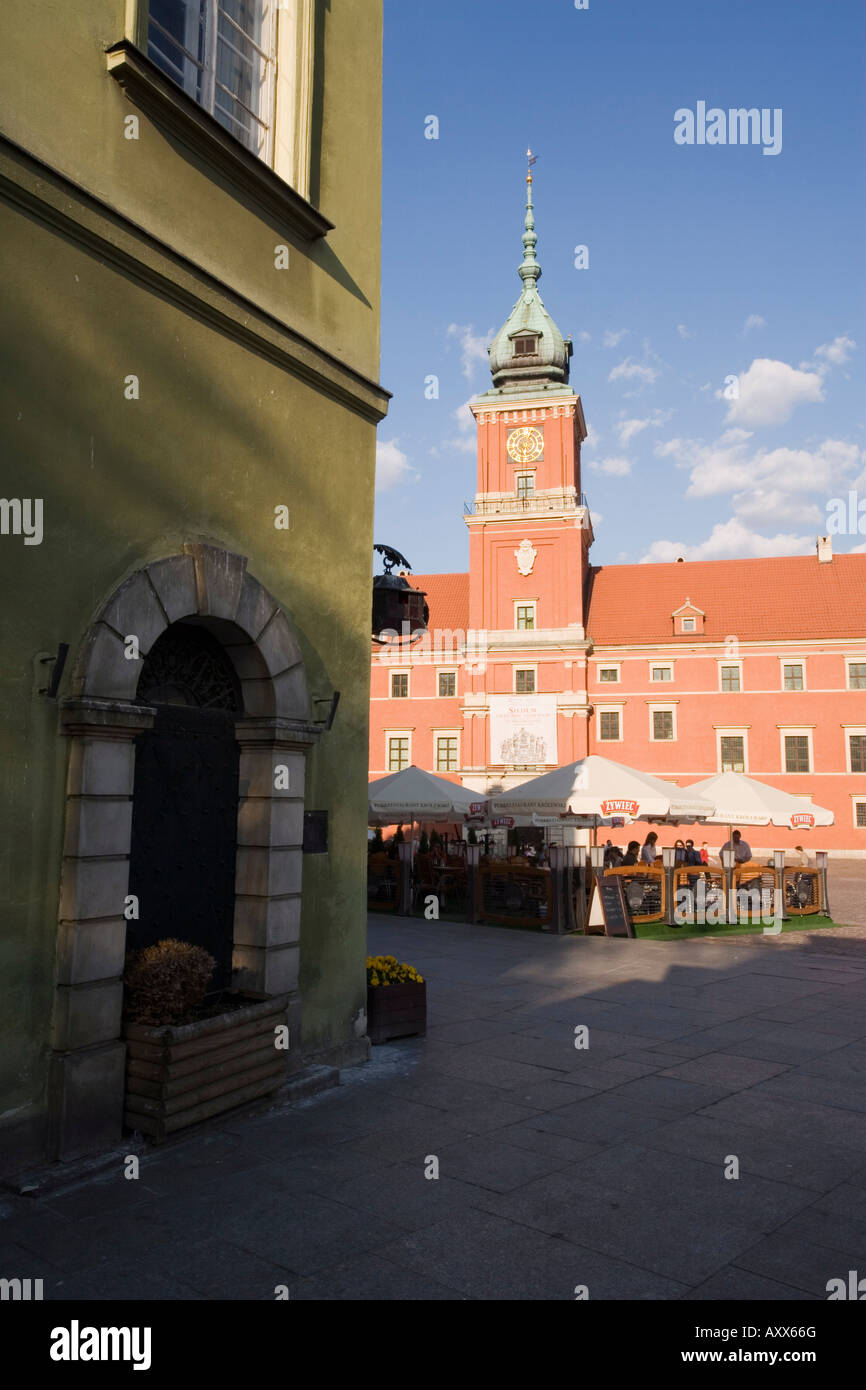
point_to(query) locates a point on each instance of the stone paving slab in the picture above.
(558, 1165)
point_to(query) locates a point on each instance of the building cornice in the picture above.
(64, 207)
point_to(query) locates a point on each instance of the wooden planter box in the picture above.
(396, 1011)
(176, 1076)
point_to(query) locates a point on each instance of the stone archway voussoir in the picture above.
(279, 646)
(174, 582)
(108, 674)
(219, 577)
(134, 610)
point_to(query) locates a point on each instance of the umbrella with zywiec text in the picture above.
(741, 800)
(596, 791)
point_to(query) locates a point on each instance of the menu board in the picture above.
(611, 896)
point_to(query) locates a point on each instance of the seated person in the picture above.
(742, 850)
(648, 852)
(612, 856)
(632, 854)
(800, 859)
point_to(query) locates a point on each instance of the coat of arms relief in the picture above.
(525, 555)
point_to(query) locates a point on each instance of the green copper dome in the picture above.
(529, 351)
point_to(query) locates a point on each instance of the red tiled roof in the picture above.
(447, 599)
(784, 597)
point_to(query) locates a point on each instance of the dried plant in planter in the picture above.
(165, 983)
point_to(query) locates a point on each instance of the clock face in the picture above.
(525, 445)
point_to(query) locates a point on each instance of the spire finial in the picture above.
(530, 270)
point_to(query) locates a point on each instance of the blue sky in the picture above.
(705, 262)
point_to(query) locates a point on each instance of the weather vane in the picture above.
(531, 157)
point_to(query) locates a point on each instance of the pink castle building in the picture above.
(536, 657)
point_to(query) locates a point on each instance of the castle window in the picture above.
(793, 675)
(608, 726)
(524, 682)
(398, 752)
(446, 753)
(526, 345)
(399, 685)
(525, 485)
(732, 753)
(662, 725)
(857, 752)
(447, 683)
(525, 616)
(797, 753)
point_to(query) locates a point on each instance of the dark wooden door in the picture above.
(184, 832)
(185, 797)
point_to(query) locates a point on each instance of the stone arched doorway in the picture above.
(207, 589)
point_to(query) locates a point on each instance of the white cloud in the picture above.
(392, 466)
(769, 392)
(753, 321)
(838, 351)
(729, 540)
(597, 517)
(774, 507)
(593, 438)
(611, 339)
(731, 464)
(627, 429)
(615, 467)
(584, 337)
(630, 370)
(683, 331)
(473, 346)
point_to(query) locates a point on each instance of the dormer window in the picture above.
(526, 345)
(688, 619)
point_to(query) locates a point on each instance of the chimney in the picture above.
(825, 550)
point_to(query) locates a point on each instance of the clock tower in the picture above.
(529, 525)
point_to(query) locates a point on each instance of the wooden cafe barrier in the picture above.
(645, 891)
(699, 889)
(514, 895)
(803, 891)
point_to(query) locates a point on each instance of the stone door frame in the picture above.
(102, 719)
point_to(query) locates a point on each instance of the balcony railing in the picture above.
(534, 505)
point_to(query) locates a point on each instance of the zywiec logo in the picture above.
(77, 1343)
(620, 808)
(20, 1290)
(502, 820)
(804, 818)
(476, 807)
(854, 1289)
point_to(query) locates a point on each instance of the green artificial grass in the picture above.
(660, 931)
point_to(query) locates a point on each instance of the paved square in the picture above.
(610, 1166)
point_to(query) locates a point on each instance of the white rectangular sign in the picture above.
(523, 729)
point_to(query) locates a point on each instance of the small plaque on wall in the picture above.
(315, 832)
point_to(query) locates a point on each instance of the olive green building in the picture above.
(190, 226)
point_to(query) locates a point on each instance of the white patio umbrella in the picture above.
(414, 794)
(741, 800)
(599, 790)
